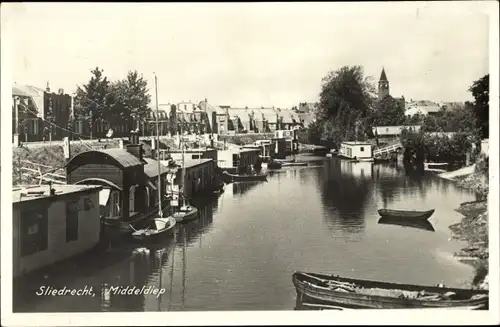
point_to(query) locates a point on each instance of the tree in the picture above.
(132, 98)
(480, 92)
(94, 99)
(387, 112)
(345, 98)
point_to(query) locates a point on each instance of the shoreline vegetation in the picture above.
(473, 227)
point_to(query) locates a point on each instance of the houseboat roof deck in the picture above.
(189, 163)
(249, 150)
(151, 168)
(33, 192)
(193, 150)
(121, 156)
(356, 143)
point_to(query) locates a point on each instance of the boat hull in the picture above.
(294, 164)
(169, 230)
(319, 295)
(193, 214)
(402, 214)
(245, 178)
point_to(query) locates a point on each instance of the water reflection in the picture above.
(345, 188)
(419, 224)
(242, 188)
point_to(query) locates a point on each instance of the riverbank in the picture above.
(473, 228)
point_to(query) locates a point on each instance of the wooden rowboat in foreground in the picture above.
(357, 293)
(405, 214)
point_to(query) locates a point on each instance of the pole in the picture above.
(160, 212)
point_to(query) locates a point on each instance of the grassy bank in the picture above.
(241, 139)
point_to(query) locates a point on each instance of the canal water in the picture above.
(241, 253)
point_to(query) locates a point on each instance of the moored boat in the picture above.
(158, 227)
(405, 214)
(244, 178)
(285, 160)
(357, 293)
(294, 164)
(185, 213)
(274, 165)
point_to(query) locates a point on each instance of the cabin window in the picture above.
(114, 204)
(387, 129)
(195, 156)
(34, 231)
(87, 204)
(72, 209)
(131, 204)
(361, 149)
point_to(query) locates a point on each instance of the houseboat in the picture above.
(130, 182)
(356, 151)
(238, 161)
(52, 223)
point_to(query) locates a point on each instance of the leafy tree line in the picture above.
(348, 109)
(116, 102)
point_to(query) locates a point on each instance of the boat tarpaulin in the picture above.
(104, 196)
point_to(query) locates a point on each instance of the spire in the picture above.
(383, 77)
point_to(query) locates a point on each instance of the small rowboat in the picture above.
(285, 160)
(294, 164)
(274, 165)
(185, 213)
(357, 293)
(158, 228)
(405, 214)
(244, 178)
(419, 224)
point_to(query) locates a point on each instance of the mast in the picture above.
(183, 168)
(160, 212)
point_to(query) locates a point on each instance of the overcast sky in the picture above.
(252, 53)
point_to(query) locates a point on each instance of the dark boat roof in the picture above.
(123, 157)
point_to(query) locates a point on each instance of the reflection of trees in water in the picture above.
(390, 182)
(344, 196)
(242, 188)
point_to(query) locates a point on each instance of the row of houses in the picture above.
(40, 114)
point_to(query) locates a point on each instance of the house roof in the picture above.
(242, 113)
(383, 77)
(268, 114)
(21, 194)
(151, 168)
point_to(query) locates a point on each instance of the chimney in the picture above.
(134, 138)
(47, 89)
(60, 91)
(136, 150)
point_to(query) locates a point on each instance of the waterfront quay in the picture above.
(249, 240)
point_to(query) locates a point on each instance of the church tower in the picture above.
(383, 86)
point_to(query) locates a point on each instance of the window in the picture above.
(387, 129)
(362, 149)
(195, 156)
(72, 209)
(34, 231)
(114, 204)
(87, 204)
